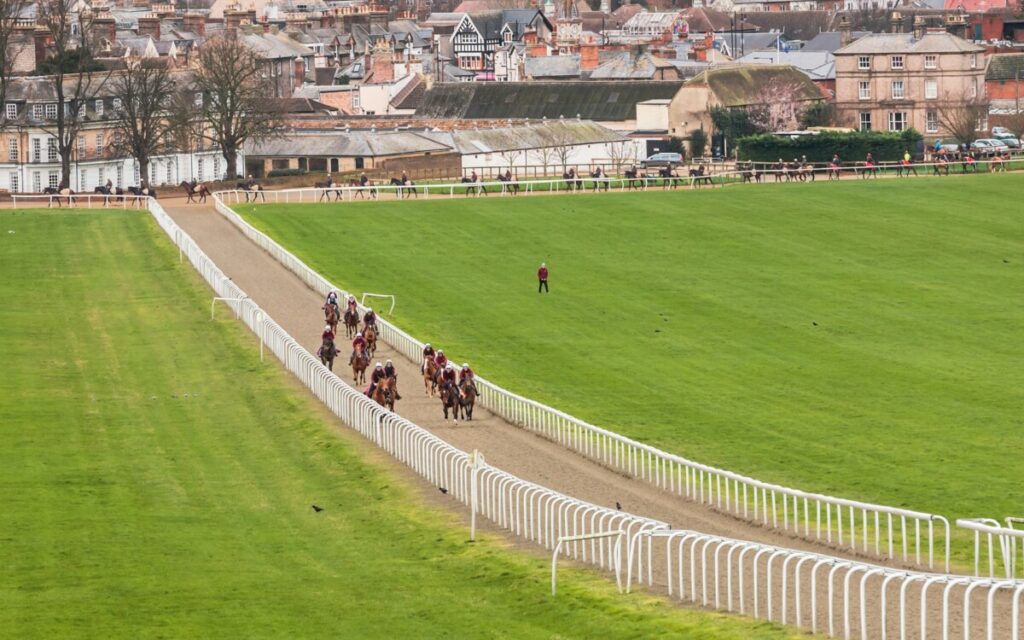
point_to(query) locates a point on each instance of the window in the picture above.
(37, 181)
(135, 173)
(199, 170)
(216, 168)
(864, 90)
(897, 90)
(101, 176)
(51, 149)
(99, 107)
(931, 121)
(51, 111)
(12, 111)
(170, 174)
(15, 187)
(897, 120)
(355, 99)
(83, 180)
(37, 150)
(931, 61)
(152, 174)
(81, 146)
(53, 179)
(116, 104)
(974, 61)
(864, 63)
(99, 145)
(865, 121)
(931, 89)
(12, 149)
(896, 62)
(81, 110)
(974, 88)
(119, 171)
(37, 111)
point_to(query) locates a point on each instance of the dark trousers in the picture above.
(543, 284)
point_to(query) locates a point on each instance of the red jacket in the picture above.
(542, 273)
(359, 342)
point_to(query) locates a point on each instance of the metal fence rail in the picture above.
(891, 532)
(990, 535)
(525, 509)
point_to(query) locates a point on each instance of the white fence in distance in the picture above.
(892, 532)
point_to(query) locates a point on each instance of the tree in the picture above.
(231, 82)
(9, 47)
(819, 114)
(777, 106)
(620, 153)
(547, 157)
(698, 143)
(77, 79)
(1015, 123)
(963, 118)
(142, 123)
(563, 144)
(733, 123)
(511, 156)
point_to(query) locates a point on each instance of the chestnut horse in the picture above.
(359, 364)
(331, 315)
(351, 323)
(450, 400)
(429, 373)
(467, 400)
(370, 334)
(384, 393)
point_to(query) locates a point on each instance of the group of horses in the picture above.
(457, 400)
(64, 193)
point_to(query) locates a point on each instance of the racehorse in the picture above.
(429, 374)
(467, 399)
(833, 171)
(749, 172)
(108, 192)
(670, 176)
(58, 193)
(699, 175)
(572, 181)
(634, 179)
(331, 315)
(351, 323)
(478, 187)
(199, 191)
(359, 364)
(511, 184)
(368, 187)
(384, 393)
(328, 187)
(405, 189)
(254, 190)
(327, 352)
(370, 334)
(450, 400)
(142, 192)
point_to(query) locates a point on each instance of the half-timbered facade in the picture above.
(477, 37)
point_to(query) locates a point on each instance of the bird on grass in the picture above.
(317, 509)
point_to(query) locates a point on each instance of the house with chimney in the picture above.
(476, 38)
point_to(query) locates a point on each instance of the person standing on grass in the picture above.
(542, 278)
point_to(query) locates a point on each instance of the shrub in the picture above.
(698, 142)
(821, 147)
(280, 173)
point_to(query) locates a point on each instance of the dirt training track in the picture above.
(297, 309)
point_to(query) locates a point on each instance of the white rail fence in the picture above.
(891, 532)
(527, 510)
(990, 535)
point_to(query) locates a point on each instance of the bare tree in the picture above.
(620, 153)
(1015, 123)
(10, 45)
(547, 157)
(778, 106)
(511, 156)
(233, 102)
(77, 78)
(963, 118)
(143, 122)
(563, 143)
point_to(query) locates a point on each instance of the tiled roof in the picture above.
(906, 43)
(1005, 66)
(741, 85)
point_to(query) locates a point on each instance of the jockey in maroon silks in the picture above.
(448, 374)
(357, 342)
(327, 334)
(542, 277)
(440, 359)
(370, 319)
(428, 354)
(466, 374)
(376, 378)
(352, 306)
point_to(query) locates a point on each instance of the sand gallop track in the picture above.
(297, 309)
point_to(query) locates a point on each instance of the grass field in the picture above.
(856, 339)
(156, 479)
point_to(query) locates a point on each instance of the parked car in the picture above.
(1011, 142)
(988, 146)
(662, 160)
(998, 132)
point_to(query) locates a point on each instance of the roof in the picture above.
(703, 20)
(562, 132)
(831, 40)
(742, 85)
(1005, 66)
(411, 95)
(548, 67)
(301, 105)
(906, 43)
(592, 100)
(651, 20)
(625, 67)
(274, 47)
(796, 25)
(977, 6)
(817, 65)
(346, 144)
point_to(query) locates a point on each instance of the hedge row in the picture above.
(821, 147)
(278, 173)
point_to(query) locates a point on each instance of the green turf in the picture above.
(156, 479)
(862, 339)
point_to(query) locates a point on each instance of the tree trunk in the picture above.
(144, 170)
(65, 169)
(231, 157)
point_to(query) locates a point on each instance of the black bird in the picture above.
(317, 509)
(618, 506)
(442, 490)
(814, 323)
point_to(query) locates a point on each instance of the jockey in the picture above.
(428, 354)
(363, 180)
(441, 360)
(391, 372)
(370, 319)
(250, 182)
(448, 375)
(375, 378)
(327, 334)
(352, 306)
(465, 375)
(358, 342)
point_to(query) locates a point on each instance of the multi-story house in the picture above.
(29, 160)
(891, 82)
(476, 38)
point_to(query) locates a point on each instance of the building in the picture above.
(1004, 77)
(891, 82)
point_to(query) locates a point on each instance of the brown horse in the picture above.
(359, 364)
(351, 323)
(370, 334)
(384, 393)
(429, 374)
(327, 352)
(450, 400)
(331, 315)
(467, 400)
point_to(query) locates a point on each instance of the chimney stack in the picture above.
(919, 27)
(149, 25)
(896, 20)
(300, 71)
(196, 23)
(589, 56)
(844, 31)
